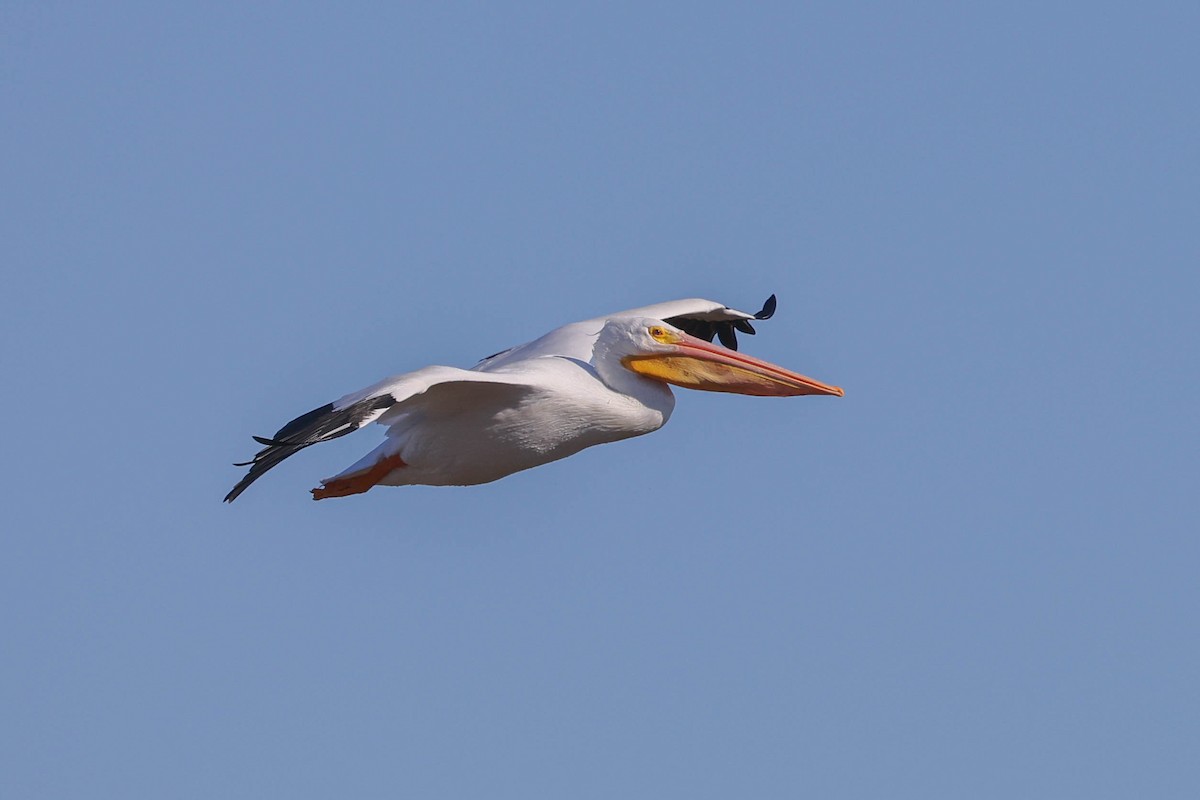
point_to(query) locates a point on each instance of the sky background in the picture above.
(974, 576)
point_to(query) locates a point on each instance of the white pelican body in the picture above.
(586, 383)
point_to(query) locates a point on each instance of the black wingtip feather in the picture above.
(262, 462)
(725, 331)
(301, 422)
(319, 425)
(768, 309)
(743, 326)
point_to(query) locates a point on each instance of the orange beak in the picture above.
(697, 364)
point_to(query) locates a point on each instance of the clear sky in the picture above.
(974, 576)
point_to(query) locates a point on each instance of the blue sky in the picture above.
(974, 576)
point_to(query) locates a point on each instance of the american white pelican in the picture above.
(587, 383)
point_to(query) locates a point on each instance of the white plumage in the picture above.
(583, 384)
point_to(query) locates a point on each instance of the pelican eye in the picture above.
(658, 333)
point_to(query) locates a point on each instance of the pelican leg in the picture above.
(358, 482)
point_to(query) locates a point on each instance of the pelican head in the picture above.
(654, 349)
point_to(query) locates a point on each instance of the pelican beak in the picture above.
(696, 364)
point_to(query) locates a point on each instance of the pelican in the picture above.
(586, 383)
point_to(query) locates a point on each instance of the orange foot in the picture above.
(358, 482)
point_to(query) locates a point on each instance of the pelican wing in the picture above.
(721, 323)
(392, 396)
(703, 318)
(695, 309)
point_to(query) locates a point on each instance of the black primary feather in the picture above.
(319, 425)
(743, 326)
(301, 422)
(707, 330)
(768, 309)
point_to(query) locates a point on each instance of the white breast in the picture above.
(565, 409)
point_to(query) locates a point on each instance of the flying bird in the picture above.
(586, 383)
